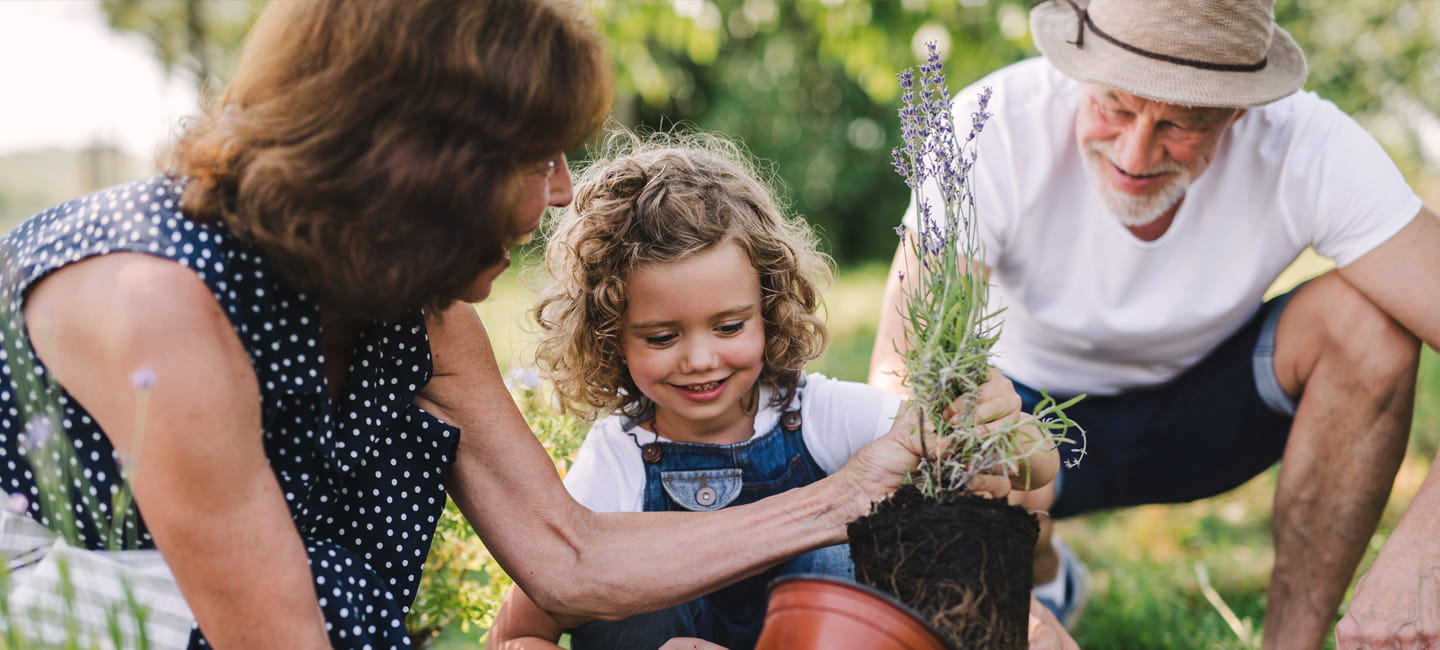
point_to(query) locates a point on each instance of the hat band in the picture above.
(1083, 18)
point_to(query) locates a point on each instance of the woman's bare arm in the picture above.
(577, 565)
(202, 480)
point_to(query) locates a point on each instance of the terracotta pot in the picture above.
(963, 564)
(817, 612)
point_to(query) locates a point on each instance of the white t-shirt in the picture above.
(1090, 308)
(838, 418)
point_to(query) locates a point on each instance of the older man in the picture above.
(1139, 188)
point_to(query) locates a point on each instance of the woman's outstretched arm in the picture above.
(578, 565)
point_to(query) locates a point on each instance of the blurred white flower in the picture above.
(524, 377)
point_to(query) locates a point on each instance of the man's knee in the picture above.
(1340, 324)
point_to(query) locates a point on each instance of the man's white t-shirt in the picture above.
(1089, 308)
(837, 419)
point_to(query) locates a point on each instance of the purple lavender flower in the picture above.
(38, 432)
(931, 151)
(946, 303)
(143, 378)
(898, 160)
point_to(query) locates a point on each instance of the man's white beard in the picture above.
(1135, 210)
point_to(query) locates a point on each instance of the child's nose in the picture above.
(700, 356)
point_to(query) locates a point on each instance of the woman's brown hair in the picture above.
(370, 148)
(657, 200)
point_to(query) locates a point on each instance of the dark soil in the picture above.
(963, 565)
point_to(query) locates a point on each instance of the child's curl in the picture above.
(657, 199)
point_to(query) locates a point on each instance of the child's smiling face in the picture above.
(694, 340)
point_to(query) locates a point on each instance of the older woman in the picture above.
(274, 341)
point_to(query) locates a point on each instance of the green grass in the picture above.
(1145, 591)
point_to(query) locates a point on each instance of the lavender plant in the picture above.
(948, 323)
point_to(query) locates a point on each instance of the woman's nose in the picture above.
(561, 189)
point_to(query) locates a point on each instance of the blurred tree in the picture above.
(1378, 60)
(810, 86)
(201, 37)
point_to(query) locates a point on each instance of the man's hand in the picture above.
(1396, 604)
(1046, 633)
(996, 403)
(997, 409)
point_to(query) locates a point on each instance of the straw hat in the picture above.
(1190, 52)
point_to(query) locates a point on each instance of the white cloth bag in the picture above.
(113, 595)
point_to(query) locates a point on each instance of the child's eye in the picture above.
(731, 328)
(659, 339)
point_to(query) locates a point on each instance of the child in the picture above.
(683, 303)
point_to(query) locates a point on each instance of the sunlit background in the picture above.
(94, 88)
(91, 90)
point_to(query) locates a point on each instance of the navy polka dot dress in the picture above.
(363, 477)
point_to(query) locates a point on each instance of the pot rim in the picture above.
(904, 609)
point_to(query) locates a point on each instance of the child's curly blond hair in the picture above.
(659, 199)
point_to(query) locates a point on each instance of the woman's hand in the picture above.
(876, 470)
(880, 466)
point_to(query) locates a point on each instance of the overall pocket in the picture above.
(702, 490)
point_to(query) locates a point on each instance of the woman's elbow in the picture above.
(570, 605)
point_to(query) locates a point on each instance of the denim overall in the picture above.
(701, 477)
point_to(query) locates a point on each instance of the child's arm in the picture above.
(520, 625)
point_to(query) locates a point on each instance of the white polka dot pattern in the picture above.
(364, 476)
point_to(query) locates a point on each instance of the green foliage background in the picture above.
(809, 84)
